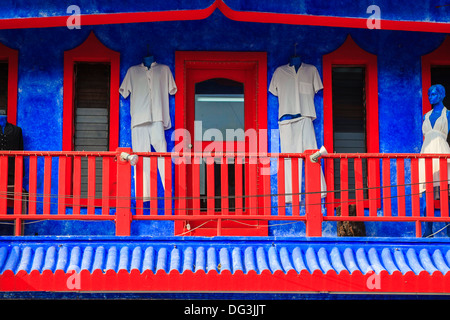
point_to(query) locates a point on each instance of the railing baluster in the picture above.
(106, 192)
(196, 185)
(401, 187)
(47, 184)
(32, 184)
(265, 175)
(238, 203)
(210, 181)
(443, 177)
(415, 188)
(91, 185)
(76, 185)
(18, 195)
(344, 187)
(387, 205)
(3, 184)
(329, 174)
(139, 183)
(18, 184)
(181, 190)
(372, 184)
(252, 183)
(359, 184)
(415, 197)
(429, 187)
(62, 162)
(153, 185)
(224, 185)
(281, 186)
(168, 185)
(295, 186)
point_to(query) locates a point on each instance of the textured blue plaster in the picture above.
(40, 96)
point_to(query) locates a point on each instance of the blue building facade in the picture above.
(41, 61)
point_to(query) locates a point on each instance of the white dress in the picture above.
(435, 141)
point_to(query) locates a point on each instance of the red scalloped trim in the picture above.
(224, 281)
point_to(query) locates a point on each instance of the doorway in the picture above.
(219, 102)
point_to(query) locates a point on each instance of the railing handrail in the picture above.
(258, 199)
(224, 154)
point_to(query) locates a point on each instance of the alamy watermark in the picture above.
(74, 21)
(73, 282)
(257, 142)
(374, 21)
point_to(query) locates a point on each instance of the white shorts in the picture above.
(296, 136)
(143, 137)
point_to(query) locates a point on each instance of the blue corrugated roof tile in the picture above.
(221, 257)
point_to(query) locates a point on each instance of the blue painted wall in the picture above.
(40, 97)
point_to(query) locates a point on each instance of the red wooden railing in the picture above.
(389, 191)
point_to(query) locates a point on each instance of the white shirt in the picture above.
(150, 89)
(296, 90)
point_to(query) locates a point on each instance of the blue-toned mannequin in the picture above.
(436, 95)
(295, 61)
(148, 60)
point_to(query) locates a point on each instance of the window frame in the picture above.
(349, 54)
(188, 61)
(12, 57)
(91, 50)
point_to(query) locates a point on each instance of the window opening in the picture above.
(349, 120)
(91, 116)
(219, 105)
(4, 86)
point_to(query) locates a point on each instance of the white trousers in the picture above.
(144, 136)
(296, 136)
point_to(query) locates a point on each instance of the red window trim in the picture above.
(12, 56)
(91, 50)
(438, 57)
(350, 54)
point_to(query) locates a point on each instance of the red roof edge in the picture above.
(244, 16)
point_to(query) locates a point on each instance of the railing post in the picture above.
(123, 201)
(313, 190)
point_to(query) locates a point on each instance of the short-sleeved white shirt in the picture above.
(296, 90)
(150, 89)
